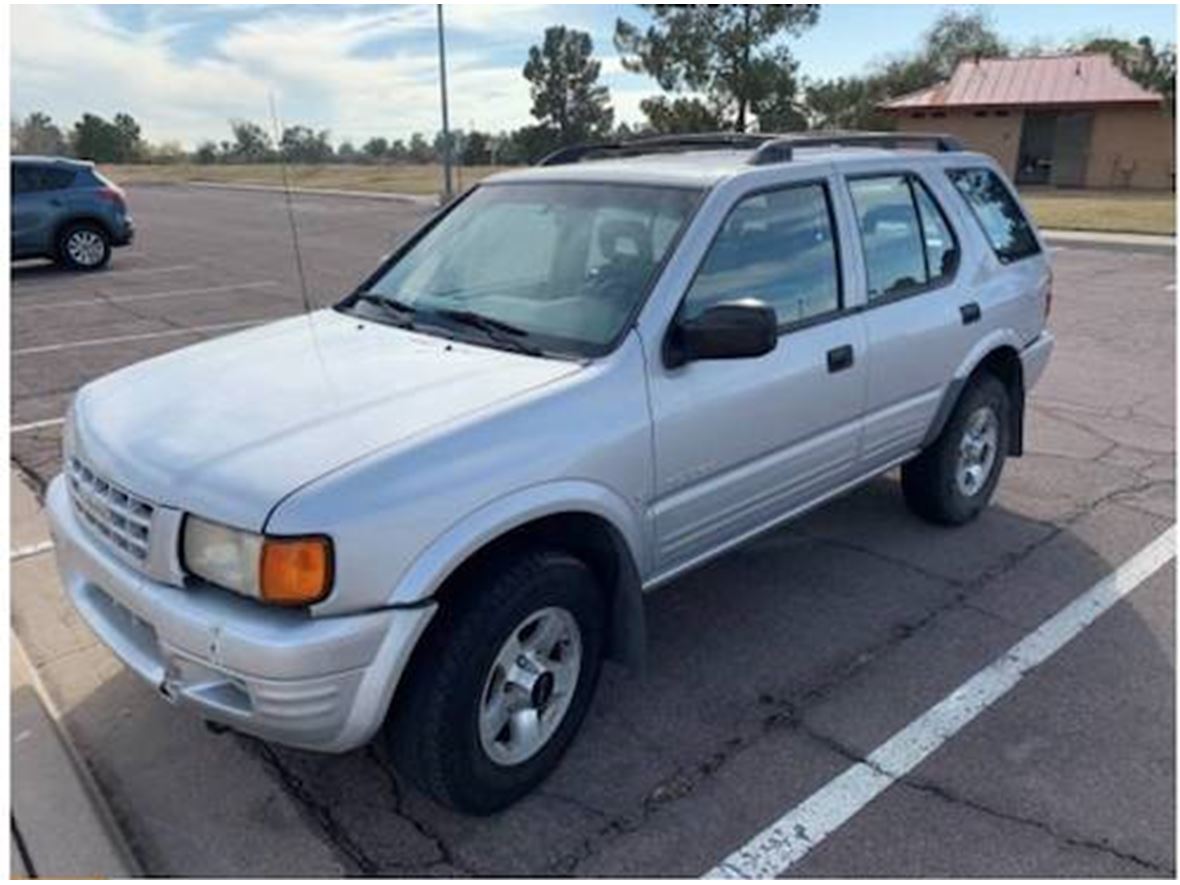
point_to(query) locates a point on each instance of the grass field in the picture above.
(393, 178)
(1122, 211)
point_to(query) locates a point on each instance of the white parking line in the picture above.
(36, 425)
(785, 842)
(29, 550)
(148, 296)
(119, 339)
(105, 274)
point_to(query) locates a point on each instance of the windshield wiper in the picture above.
(497, 330)
(399, 310)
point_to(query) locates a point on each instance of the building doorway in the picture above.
(1054, 148)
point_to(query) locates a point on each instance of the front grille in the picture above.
(112, 513)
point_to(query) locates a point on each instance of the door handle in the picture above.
(970, 313)
(840, 358)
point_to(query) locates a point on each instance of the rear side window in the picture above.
(28, 179)
(908, 245)
(55, 178)
(776, 246)
(1007, 229)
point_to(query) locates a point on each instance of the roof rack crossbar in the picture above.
(655, 144)
(781, 149)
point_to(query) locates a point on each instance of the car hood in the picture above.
(229, 427)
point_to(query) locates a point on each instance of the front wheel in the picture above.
(953, 480)
(502, 683)
(84, 246)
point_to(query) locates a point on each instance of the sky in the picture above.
(372, 70)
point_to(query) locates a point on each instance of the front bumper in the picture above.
(126, 233)
(317, 683)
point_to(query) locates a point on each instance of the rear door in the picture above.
(740, 443)
(919, 310)
(38, 199)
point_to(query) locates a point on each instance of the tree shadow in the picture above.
(741, 653)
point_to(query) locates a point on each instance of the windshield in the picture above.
(561, 266)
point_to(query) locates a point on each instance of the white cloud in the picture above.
(71, 59)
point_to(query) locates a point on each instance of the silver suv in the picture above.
(433, 510)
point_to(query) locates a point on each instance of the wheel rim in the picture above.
(977, 451)
(85, 247)
(530, 686)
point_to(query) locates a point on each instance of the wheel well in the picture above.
(78, 219)
(591, 539)
(1004, 364)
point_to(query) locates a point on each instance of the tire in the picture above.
(84, 245)
(940, 485)
(442, 729)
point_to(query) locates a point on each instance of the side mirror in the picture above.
(726, 331)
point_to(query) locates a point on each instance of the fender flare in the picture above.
(954, 388)
(433, 566)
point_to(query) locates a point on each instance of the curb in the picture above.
(1109, 238)
(415, 199)
(66, 828)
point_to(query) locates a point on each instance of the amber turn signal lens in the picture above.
(296, 571)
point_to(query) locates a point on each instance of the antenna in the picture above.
(274, 118)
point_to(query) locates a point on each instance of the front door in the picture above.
(741, 443)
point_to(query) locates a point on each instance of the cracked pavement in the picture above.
(770, 670)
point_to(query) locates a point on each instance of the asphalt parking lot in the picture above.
(771, 670)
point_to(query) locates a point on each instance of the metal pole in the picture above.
(446, 129)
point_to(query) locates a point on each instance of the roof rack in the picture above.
(634, 147)
(768, 147)
(780, 149)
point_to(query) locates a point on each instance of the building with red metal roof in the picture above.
(1064, 120)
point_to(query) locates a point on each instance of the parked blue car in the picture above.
(66, 210)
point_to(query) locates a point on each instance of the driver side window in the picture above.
(776, 246)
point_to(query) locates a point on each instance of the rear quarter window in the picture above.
(992, 204)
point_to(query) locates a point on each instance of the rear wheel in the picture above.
(84, 246)
(953, 480)
(502, 683)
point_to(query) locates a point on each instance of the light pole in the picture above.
(446, 129)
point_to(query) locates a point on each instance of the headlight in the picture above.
(289, 571)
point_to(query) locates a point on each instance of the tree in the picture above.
(37, 135)
(477, 149)
(955, 36)
(376, 148)
(300, 144)
(733, 53)
(347, 153)
(851, 102)
(846, 103)
(680, 115)
(420, 150)
(94, 138)
(130, 143)
(398, 152)
(206, 153)
(251, 143)
(1151, 68)
(564, 86)
(166, 152)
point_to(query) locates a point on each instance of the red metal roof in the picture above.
(1014, 82)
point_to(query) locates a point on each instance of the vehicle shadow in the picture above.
(745, 656)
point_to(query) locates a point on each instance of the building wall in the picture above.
(1132, 147)
(990, 134)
